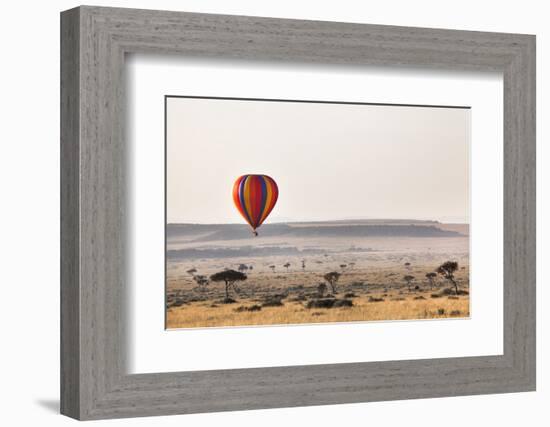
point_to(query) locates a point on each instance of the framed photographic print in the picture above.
(350, 208)
(341, 217)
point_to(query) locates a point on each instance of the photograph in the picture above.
(286, 212)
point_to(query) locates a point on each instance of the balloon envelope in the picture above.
(255, 196)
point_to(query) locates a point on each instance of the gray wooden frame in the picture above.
(94, 382)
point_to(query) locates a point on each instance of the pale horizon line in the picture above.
(293, 221)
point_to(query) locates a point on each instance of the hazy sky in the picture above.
(330, 161)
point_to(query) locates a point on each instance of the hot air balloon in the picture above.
(255, 196)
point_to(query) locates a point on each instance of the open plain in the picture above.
(333, 271)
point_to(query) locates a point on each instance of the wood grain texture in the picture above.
(70, 220)
(95, 383)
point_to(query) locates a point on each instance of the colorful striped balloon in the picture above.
(255, 196)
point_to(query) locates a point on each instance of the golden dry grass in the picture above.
(377, 272)
(202, 314)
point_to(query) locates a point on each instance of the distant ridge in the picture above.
(362, 221)
(243, 251)
(219, 232)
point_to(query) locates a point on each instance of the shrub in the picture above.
(419, 297)
(320, 303)
(274, 301)
(374, 299)
(254, 307)
(441, 311)
(329, 303)
(278, 296)
(343, 303)
(350, 295)
(450, 291)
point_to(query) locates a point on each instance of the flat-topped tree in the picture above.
(286, 266)
(408, 278)
(229, 277)
(447, 270)
(242, 267)
(431, 277)
(192, 271)
(332, 279)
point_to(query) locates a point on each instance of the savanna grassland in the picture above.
(315, 272)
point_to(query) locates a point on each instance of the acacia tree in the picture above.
(192, 271)
(304, 264)
(201, 280)
(272, 268)
(286, 266)
(447, 270)
(242, 267)
(343, 266)
(332, 279)
(229, 277)
(431, 277)
(408, 278)
(321, 289)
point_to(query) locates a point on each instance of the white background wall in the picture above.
(29, 201)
